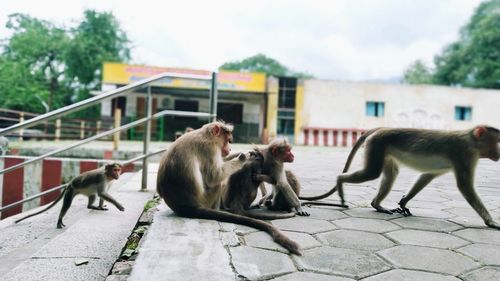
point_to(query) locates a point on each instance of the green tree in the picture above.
(40, 46)
(20, 89)
(417, 73)
(56, 66)
(474, 60)
(97, 38)
(262, 63)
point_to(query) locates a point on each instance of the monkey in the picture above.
(433, 152)
(280, 203)
(92, 184)
(286, 187)
(190, 177)
(243, 185)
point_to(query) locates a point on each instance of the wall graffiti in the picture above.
(419, 118)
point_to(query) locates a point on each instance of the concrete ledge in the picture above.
(182, 249)
(95, 236)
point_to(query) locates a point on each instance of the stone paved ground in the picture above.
(444, 240)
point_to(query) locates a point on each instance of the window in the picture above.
(463, 113)
(374, 108)
(286, 127)
(230, 112)
(287, 91)
(186, 105)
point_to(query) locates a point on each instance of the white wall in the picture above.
(334, 104)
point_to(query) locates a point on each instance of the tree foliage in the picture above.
(43, 65)
(418, 73)
(474, 60)
(262, 63)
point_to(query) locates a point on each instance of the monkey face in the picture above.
(117, 171)
(225, 136)
(487, 140)
(113, 170)
(288, 155)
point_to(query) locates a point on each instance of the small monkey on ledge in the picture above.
(91, 184)
(433, 152)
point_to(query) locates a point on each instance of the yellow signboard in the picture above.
(117, 73)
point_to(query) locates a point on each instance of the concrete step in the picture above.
(35, 250)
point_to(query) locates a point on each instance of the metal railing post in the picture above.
(213, 96)
(58, 129)
(117, 123)
(147, 138)
(21, 120)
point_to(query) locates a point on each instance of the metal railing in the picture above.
(97, 99)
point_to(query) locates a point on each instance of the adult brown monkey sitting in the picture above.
(190, 179)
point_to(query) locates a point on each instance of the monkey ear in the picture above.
(479, 132)
(216, 130)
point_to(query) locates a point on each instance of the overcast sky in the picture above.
(330, 39)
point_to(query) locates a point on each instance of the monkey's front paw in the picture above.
(121, 208)
(301, 212)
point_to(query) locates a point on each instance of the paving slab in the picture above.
(410, 275)
(345, 262)
(263, 240)
(302, 276)
(369, 213)
(480, 235)
(371, 225)
(257, 264)
(304, 224)
(427, 238)
(429, 259)
(423, 223)
(484, 253)
(483, 274)
(352, 239)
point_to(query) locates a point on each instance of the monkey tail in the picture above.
(265, 216)
(222, 216)
(354, 149)
(48, 207)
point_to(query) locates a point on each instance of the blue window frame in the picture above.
(374, 108)
(463, 113)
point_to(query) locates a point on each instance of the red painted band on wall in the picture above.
(51, 177)
(13, 190)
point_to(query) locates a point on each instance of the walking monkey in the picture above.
(91, 184)
(432, 152)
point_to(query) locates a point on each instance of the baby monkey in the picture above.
(91, 184)
(243, 185)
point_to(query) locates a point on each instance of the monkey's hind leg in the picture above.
(422, 182)
(389, 174)
(68, 198)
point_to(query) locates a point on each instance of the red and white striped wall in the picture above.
(40, 176)
(330, 136)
